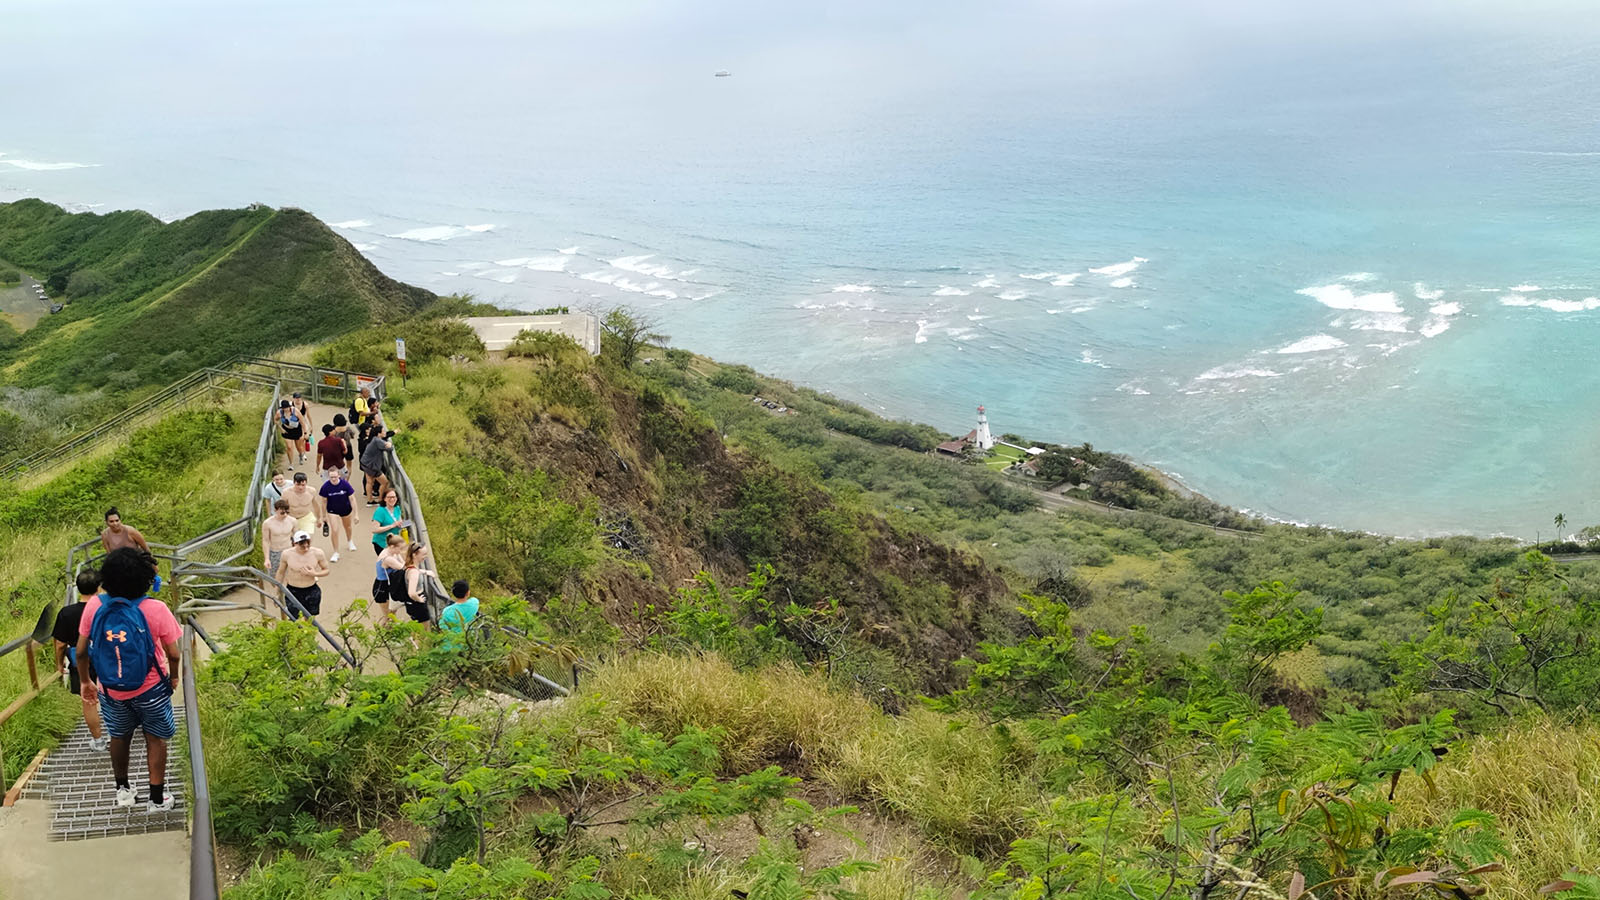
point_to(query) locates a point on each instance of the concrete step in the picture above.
(77, 785)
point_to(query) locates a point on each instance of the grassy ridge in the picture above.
(153, 301)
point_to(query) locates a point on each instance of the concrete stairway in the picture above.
(76, 784)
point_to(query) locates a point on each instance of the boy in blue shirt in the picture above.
(458, 615)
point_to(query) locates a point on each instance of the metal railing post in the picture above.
(203, 837)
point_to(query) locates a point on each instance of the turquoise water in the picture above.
(1337, 270)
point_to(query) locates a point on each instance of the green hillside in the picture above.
(819, 662)
(151, 301)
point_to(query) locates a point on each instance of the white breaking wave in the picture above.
(640, 265)
(1012, 295)
(1376, 321)
(1422, 292)
(1230, 372)
(1525, 288)
(922, 331)
(977, 318)
(1122, 282)
(1561, 306)
(1120, 269)
(1358, 277)
(662, 292)
(1065, 280)
(1312, 344)
(439, 232)
(364, 247)
(1039, 276)
(1337, 296)
(987, 282)
(34, 166)
(602, 276)
(947, 291)
(353, 223)
(519, 261)
(1088, 358)
(1445, 309)
(1134, 389)
(546, 264)
(853, 289)
(568, 250)
(1434, 327)
(450, 274)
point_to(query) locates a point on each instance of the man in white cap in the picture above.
(299, 568)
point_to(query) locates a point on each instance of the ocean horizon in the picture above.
(1338, 272)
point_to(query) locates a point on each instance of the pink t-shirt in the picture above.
(164, 630)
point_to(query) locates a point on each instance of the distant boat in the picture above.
(723, 73)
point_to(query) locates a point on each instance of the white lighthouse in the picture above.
(981, 436)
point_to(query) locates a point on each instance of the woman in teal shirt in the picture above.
(386, 520)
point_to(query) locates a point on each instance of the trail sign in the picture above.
(400, 357)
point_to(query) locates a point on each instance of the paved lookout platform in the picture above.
(497, 332)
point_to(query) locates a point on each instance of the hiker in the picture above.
(360, 406)
(302, 502)
(277, 534)
(304, 410)
(457, 616)
(293, 429)
(345, 430)
(375, 417)
(386, 575)
(336, 506)
(65, 632)
(387, 520)
(331, 450)
(416, 584)
(117, 535)
(272, 491)
(372, 463)
(130, 643)
(298, 570)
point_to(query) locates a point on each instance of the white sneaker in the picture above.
(352, 546)
(165, 805)
(99, 744)
(334, 557)
(125, 798)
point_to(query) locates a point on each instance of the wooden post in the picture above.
(33, 666)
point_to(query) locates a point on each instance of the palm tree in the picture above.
(1561, 522)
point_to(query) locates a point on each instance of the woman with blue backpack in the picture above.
(131, 642)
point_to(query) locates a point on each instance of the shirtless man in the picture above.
(276, 535)
(302, 502)
(119, 535)
(299, 569)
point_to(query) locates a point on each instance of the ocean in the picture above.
(1333, 267)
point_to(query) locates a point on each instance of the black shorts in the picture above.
(293, 435)
(309, 597)
(380, 591)
(72, 678)
(418, 612)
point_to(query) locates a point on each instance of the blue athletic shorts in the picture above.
(151, 710)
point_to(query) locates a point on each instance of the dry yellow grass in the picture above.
(964, 785)
(1541, 779)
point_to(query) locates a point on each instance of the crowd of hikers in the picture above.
(117, 644)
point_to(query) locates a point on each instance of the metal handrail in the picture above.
(202, 853)
(317, 379)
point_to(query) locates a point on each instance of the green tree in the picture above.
(626, 330)
(1525, 641)
(1561, 522)
(87, 283)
